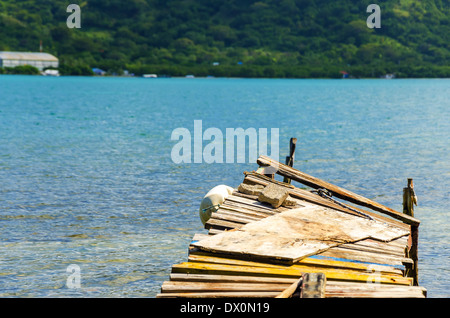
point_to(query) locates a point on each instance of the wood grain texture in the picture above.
(298, 233)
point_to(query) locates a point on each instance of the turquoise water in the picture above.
(86, 175)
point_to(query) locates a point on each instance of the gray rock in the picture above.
(273, 194)
(253, 189)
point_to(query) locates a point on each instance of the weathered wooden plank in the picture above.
(361, 256)
(182, 287)
(298, 233)
(219, 295)
(229, 278)
(366, 242)
(396, 245)
(381, 247)
(233, 217)
(375, 294)
(332, 288)
(221, 224)
(367, 247)
(225, 269)
(352, 287)
(307, 196)
(338, 192)
(244, 211)
(250, 203)
(213, 231)
(303, 264)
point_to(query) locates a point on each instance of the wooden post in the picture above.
(414, 253)
(313, 285)
(409, 200)
(290, 158)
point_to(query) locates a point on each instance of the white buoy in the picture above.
(212, 201)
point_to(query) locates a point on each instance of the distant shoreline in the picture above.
(228, 77)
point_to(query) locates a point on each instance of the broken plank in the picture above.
(297, 233)
(337, 191)
(318, 200)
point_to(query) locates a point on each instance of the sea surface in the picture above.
(87, 177)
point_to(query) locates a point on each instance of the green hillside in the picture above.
(268, 38)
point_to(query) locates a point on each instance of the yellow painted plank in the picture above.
(313, 262)
(197, 268)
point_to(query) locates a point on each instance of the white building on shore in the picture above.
(38, 60)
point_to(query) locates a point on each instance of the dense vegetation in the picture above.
(22, 69)
(265, 38)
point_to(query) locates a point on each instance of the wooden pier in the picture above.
(272, 239)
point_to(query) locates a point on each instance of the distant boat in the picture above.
(190, 76)
(388, 76)
(150, 75)
(50, 73)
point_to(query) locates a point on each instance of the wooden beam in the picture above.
(338, 192)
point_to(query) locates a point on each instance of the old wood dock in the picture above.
(272, 239)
